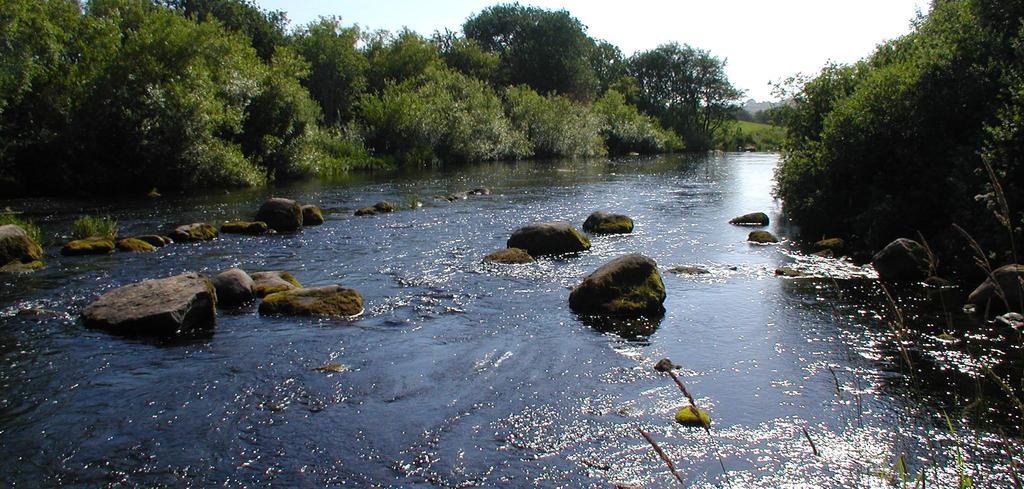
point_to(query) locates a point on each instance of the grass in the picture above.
(94, 227)
(743, 135)
(30, 228)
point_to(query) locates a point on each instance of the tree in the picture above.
(265, 29)
(547, 50)
(686, 88)
(466, 55)
(337, 76)
(396, 58)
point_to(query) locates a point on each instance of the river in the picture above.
(464, 374)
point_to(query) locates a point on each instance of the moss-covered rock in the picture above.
(550, 238)
(312, 215)
(155, 239)
(267, 283)
(88, 246)
(199, 231)
(762, 237)
(134, 245)
(159, 307)
(693, 416)
(17, 246)
(253, 228)
(509, 256)
(752, 219)
(626, 286)
(281, 215)
(835, 245)
(331, 300)
(378, 208)
(19, 267)
(903, 260)
(605, 223)
(789, 272)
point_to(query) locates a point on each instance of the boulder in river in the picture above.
(158, 307)
(762, 237)
(199, 231)
(234, 288)
(752, 219)
(1008, 285)
(17, 246)
(274, 281)
(629, 285)
(902, 260)
(154, 239)
(281, 215)
(253, 228)
(312, 215)
(88, 246)
(134, 245)
(378, 208)
(479, 191)
(834, 245)
(330, 300)
(509, 256)
(550, 238)
(605, 223)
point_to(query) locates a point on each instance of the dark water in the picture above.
(462, 374)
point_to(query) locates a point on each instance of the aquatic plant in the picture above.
(89, 226)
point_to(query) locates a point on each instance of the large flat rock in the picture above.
(159, 307)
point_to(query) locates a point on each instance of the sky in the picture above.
(762, 41)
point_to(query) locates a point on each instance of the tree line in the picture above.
(925, 133)
(178, 94)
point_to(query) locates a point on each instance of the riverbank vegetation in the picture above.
(128, 95)
(925, 133)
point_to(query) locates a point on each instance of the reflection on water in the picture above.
(467, 374)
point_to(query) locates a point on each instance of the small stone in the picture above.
(762, 237)
(689, 270)
(752, 219)
(693, 416)
(835, 245)
(134, 245)
(155, 240)
(665, 365)
(199, 231)
(88, 246)
(253, 228)
(312, 215)
(605, 223)
(509, 256)
(334, 368)
(789, 272)
(267, 283)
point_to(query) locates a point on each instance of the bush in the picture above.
(554, 125)
(626, 130)
(30, 227)
(94, 227)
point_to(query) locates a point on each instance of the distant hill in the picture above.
(752, 106)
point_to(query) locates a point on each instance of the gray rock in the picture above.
(281, 215)
(158, 307)
(274, 281)
(626, 286)
(903, 260)
(551, 238)
(234, 288)
(17, 246)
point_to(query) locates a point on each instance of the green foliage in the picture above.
(398, 58)
(265, 29)
(750, 136)
(342, 151)
(466, 55)
(31, 229)
(337, 76)
(441, 115)
(627, 130)
(554, 125)
(686, 88)
(94, 227)
(893, 144)
(546, 50)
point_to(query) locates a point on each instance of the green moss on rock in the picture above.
(762, 237)
(626, 286)
(16, 244)
(19, 267)
(693, 416)
(244, 227)
(331, 300)
(134, 245)
(88, 246)
(605, 223)
(199, 231)
(312, 215)
(267, 283)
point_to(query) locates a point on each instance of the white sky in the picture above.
(762, 40)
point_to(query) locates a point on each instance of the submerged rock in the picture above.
(331, 300)
(155, 240)
(275, 281)
(509, 256)
(605, 223)
(378, 208)
(665, 365)
(312, 215)
(626, 286)
(833, 245)
(752, 219)
(693, 416)
(20, 267)
(134, 245)
(234, 288)
(253, 228)
(158, 307)
(88, 246)
(762, 237)
(480, 191)
(1007, 281)
(199, 231)
(902, 260)
(551, 238)
(789, 272)
(17, 246)
(689, 270)
(281, 215)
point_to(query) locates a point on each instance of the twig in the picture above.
(663, 455)
(814, 449)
